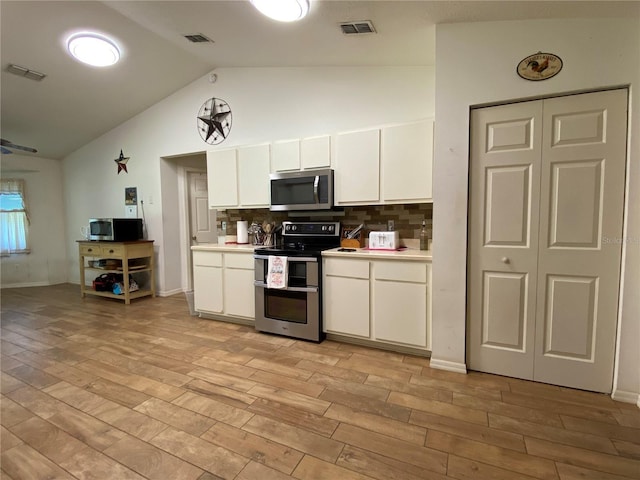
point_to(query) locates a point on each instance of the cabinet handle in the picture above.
(505, 260)
(110, 251)
(90, 250)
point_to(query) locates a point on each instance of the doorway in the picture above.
(546, 196)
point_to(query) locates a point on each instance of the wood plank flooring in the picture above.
(95, 389)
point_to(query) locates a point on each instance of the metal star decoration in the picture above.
(214, 121)
(122, 163)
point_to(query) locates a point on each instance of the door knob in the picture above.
(193, 238)
(505, 260)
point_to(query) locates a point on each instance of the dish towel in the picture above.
(277, 272)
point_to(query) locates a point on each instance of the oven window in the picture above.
(285, 305)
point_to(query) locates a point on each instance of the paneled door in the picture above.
(546, 208)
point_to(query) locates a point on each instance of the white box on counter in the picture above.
(384, 240)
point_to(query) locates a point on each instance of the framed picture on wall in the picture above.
(130, 196)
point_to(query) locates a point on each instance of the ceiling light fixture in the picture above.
(283, 10)
(93, 49)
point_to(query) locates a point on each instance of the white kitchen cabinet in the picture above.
(207, 282)
(315, 152)
(385, 302)
(223, 283)
(357, 167)
(406, 157)
(400, 299)
(346, 297)
(238, 284)
(222, 178)
(285, 156)
(253, 176)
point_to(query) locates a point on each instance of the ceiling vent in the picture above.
(197, 38)
(25, 72)
(357, 28)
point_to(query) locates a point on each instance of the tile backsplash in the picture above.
(407, 218)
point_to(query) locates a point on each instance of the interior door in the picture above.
(202, 219)
(503, 244)
(583, 174)
(550, 213)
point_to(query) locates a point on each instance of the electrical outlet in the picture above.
(390, 225)
(224, 226)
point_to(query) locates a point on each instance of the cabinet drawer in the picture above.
(239, 260)
(92, 250)
(207, 259)
(346, 268)
(112, 250)
(415, 272)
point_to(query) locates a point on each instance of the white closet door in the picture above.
(503, 240)
(583, 172)
(546, 201)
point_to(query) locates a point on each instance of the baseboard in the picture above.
(29, 284)
(168, 293)
(448, 366)
(626, 397)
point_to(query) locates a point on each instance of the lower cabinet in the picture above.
(383, 301)
(223, 283)
(346, 297)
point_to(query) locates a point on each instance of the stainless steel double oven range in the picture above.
(296, 310)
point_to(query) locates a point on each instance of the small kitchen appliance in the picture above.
(305, 190)
(384, 240)
(115, 229)
(296, 309)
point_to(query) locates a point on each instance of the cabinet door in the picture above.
(239, 292)
(357, 167)
(285, 156)
(207, 288)
(222, 178)
(406, 157)
(315, 152)
(346, 306)
(253, 176)
(400, 312)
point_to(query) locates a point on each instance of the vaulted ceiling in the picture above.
(75, 104)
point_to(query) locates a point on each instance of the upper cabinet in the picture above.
(315, 152)
(357, 167)
(406, 158)
(253, 176)
(388, 165)
(239, 177)
(285, 156)
(222, 178)
(305, 154)
(384, 165)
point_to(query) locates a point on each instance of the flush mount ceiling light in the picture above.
(93, 49)
(283, 10)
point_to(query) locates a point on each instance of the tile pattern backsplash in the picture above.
(406, 217)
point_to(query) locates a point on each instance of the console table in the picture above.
(122, 252)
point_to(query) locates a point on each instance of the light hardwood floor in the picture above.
(95, 389)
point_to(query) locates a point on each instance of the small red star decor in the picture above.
(122, 163)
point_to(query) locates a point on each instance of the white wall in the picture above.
(47, 262)
(267, 104)
(476, 64)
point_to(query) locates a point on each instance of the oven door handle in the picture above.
(288, 289)
(290, 259)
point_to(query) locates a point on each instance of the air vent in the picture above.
(25, 72)
(197, 38)
(357, 28)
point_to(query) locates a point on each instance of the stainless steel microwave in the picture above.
(306, 190)
(115, 229)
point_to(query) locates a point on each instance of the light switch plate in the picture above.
(131, 211)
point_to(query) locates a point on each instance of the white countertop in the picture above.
(363, 253)
(227, 247)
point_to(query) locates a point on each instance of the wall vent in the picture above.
(357, 28)
(197, 38)
(25, 72)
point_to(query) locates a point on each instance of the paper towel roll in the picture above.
(242, 231)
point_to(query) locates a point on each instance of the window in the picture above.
(14, 218)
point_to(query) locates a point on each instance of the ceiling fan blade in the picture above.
(6, 151)
(8, 144)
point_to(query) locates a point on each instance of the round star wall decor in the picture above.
(214, 121)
